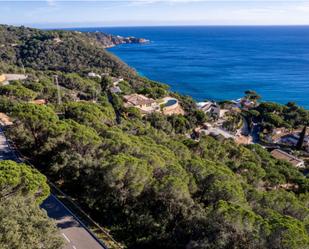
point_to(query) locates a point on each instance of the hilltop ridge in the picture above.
(62, 50)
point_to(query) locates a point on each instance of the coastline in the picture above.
(209, 68)
(138, 157)
(139, 73)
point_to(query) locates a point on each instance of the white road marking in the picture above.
(66, 237)
(74, 247)
(76, 218)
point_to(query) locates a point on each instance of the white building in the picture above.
(209, 107)
(117, 81)
(94, 75)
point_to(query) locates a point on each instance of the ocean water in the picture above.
(220, 63)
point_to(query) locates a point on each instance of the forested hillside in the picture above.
(141, 175)
(23, 224)
(57, 50)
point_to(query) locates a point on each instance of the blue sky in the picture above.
(53, 13)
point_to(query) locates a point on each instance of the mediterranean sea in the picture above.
(220, 63)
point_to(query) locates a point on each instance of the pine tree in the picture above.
(301, 138)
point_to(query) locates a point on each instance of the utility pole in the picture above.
(24, 71)
(58, 89)
(95, 96)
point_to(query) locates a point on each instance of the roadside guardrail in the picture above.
(96, 231)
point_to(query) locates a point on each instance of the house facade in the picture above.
(209, 107)
(141, 102)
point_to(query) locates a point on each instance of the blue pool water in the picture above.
(171, 102)
(222, 62)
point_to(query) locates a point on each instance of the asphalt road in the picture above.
(72, 230)
(5, 152)
(75, 235)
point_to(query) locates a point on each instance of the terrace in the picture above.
(167, 105)
(171, 106)
(282, 155)
(146, 105)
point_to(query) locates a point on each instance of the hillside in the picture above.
(137, 173)
(66, 51)
(23, 224)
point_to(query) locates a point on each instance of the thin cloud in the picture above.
(161, 1)
(51, 2)
(303, 7)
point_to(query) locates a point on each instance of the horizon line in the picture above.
(49, 26)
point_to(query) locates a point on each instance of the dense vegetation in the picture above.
(273, 115)
(142, 176)
(23, 224)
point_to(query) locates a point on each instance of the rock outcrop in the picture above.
(108, 40)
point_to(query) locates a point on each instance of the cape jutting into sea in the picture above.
(222, 62)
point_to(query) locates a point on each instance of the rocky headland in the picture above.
(108, 40)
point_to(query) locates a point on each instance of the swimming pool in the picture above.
(171, 102)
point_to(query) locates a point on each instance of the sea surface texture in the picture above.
(220, 63)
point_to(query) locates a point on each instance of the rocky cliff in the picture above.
(108, 40)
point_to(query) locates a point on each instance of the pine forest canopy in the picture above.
(141, 176)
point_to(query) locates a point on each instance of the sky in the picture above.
(63, 14)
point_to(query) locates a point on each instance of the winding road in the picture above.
(74, 232)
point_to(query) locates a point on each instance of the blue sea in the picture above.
(219, 63)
